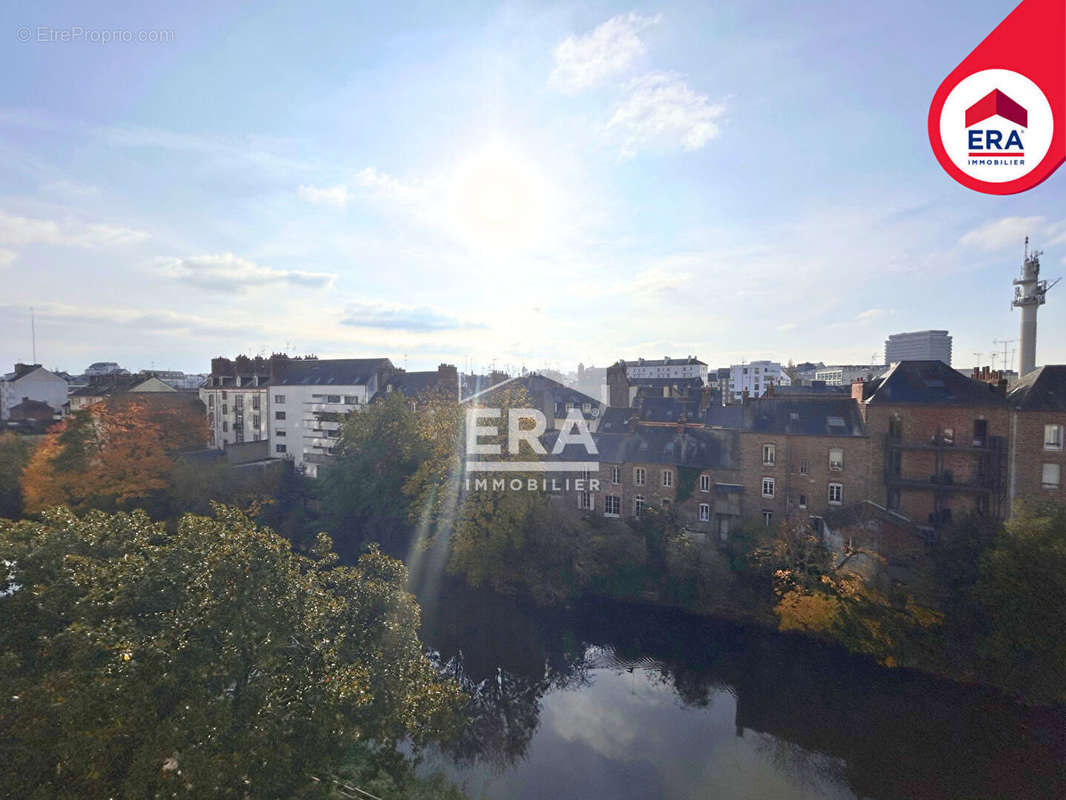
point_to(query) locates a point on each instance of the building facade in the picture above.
(667, 368)
(753, 379)
(1037, 435)
(309, 403)
(847, 374)
(32, 382)
(918, 346)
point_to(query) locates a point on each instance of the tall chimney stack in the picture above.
(1029, 295)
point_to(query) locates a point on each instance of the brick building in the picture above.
(938, 442)
(1037, 460)
(798, 455)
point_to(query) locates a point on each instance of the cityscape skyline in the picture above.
(481, 184)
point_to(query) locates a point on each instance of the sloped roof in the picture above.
(931, 383)
(412, 384)
(796, 416)
(333, 371)
(1042, 389)
(664, 362)
(688, 447)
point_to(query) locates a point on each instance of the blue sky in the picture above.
(536, 184)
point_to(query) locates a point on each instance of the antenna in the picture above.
(978, 358)
(1003, 342)
(33, 332)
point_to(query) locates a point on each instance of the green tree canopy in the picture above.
(210, 661)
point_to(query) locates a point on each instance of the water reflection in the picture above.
(620, 702)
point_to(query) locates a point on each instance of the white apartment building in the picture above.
(845, 374)
(667, 368)
(31, 382)
(308, 405)
(754, 378)
(918, 346)
(237, 408)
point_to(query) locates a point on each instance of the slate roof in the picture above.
(931, 383)
(668, 409)
(412, 384)
(333, 371)
(690, 447)
(695, 383)
(1042, 389)
(797, 416)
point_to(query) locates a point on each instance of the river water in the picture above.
(612, 702)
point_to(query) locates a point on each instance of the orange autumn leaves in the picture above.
(110, 456)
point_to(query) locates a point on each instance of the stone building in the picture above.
(939, 442)
(1037, 460)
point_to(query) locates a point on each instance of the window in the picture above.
(584, 500)
(769, 455)
(255, 402)
(225, 408)
(612, 505)
(767, 518)
(894, 499)
(280, 448)
(279, 415)
(668, 478)
(255, 420)
(705, 483)
(1050, 478)
(836, 459)
(705, 512)
(949, 436)
(803, 501)
(1052, 437)
(616, 475)
(350, 400)
(805, 467)
(980, 432)
(638, 505)
(333, 398)
(279, 431)
(767, 487)
(225, 426)
(279, 399)
(223, 395)
(836, 494)
(666, 503)
(638, 476)
(211, 400)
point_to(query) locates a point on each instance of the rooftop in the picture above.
(333, 372)
(1043, 389)
(931, 383)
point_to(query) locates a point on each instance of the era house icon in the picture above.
(992, 137)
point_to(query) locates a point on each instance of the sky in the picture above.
(514, 184)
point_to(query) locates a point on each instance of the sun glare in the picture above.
(499, 200)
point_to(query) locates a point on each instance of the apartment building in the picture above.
(1037, 458)
(754, 378)
(307, 405)
(667, 368)
(237, 397)
(918, 346)
(939, 442)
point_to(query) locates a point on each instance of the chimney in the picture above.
(858, 390)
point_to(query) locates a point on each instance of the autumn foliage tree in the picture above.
(109, 456)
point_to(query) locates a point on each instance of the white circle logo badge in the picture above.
(996, 125)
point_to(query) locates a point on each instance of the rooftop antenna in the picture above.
(1003, 342)
(33, 332)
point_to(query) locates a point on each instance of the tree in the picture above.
(210, 661)
(111, 456)
(1020, 598)
(14, 454)
(362, 493)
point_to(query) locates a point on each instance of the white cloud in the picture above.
(227, 272)
(660, 110)
(389, 316)
(608, 50)
(1000, 233)
(325, 195)
(6, 257)
(870, 313)
(19, 231)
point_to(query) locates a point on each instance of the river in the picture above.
(612, 702)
